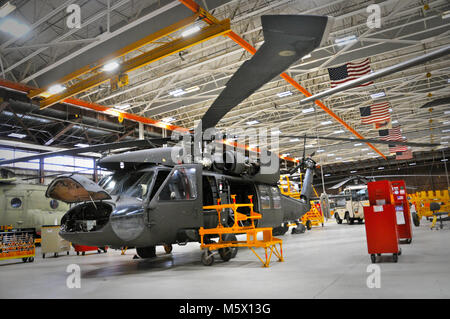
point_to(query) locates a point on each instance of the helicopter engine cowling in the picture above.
(230, 162)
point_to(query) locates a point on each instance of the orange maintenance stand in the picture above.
(268, 242)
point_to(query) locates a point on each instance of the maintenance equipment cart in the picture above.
(52, 242)
(17, 245)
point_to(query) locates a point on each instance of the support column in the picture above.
(141, 131)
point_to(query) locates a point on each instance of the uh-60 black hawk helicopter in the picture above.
(156, 196)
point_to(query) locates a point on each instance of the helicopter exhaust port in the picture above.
(88, 217)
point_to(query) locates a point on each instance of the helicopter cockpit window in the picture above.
(180, 186)
(141, 187)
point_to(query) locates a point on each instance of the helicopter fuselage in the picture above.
(163, 205)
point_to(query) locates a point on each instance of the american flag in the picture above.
(349, 71)
(376, 113)
(404, 155)
(393, 134)
(397, 148)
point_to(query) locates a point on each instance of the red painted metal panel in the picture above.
(381, 229)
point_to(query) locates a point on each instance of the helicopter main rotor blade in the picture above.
(287, 38)
(89, 149)
(370, 140)
(378, 74)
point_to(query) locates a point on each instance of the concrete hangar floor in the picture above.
(329, 262)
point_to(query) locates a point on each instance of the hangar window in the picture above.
(54, 204)
(180, 185)
(16, 202)
(264, 195)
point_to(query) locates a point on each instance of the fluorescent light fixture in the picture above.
(445, 131)
(353, 171)
(190, 31)
(390, 110)
(338, 158)
(309, 110)
(14, 27)
(283, 94)
(364, 149)
(177, 92)
(55, 89)
(326, 175)
(346, 40)
(444, 142)
(445, 14)
(192, 89)
(381, 167)
(275, 132)
(168, 119)
(286, 154)
(446, 122)
(338, 132)
(358, 144)
(110, 66)
(253, 122)
(331, 154)
(371, 153)
(6, 9)
(445, 137)
(82, 145)
(294, 140)
(326, 122)
(448, 80)
(309, 146)
(444, 160)
(412, 164)
(377, 95)
(122, 106)
(320, 151)
(16, 135)
(447, 112)
(394, 121)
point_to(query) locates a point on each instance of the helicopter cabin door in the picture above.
(176, 208)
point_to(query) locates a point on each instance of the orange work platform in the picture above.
(268, 242)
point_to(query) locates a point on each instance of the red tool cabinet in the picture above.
(380, 193)
(83, 249)
(381, 231)
(403, 213)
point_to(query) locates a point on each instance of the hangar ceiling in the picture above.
(409, 28)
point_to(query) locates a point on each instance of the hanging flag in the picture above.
(376, 113)
(393, 134)
(404, 155)
(382, 125)
(349, 71)
(397, 148)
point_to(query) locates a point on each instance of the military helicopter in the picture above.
(24, 206)
(156, 196)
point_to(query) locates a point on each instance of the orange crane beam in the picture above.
(193, 6)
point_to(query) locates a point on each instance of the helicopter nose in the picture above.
(128, 222)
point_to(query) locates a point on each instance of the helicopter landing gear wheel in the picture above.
(168, 249)
(146, 252)
(207, 258)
